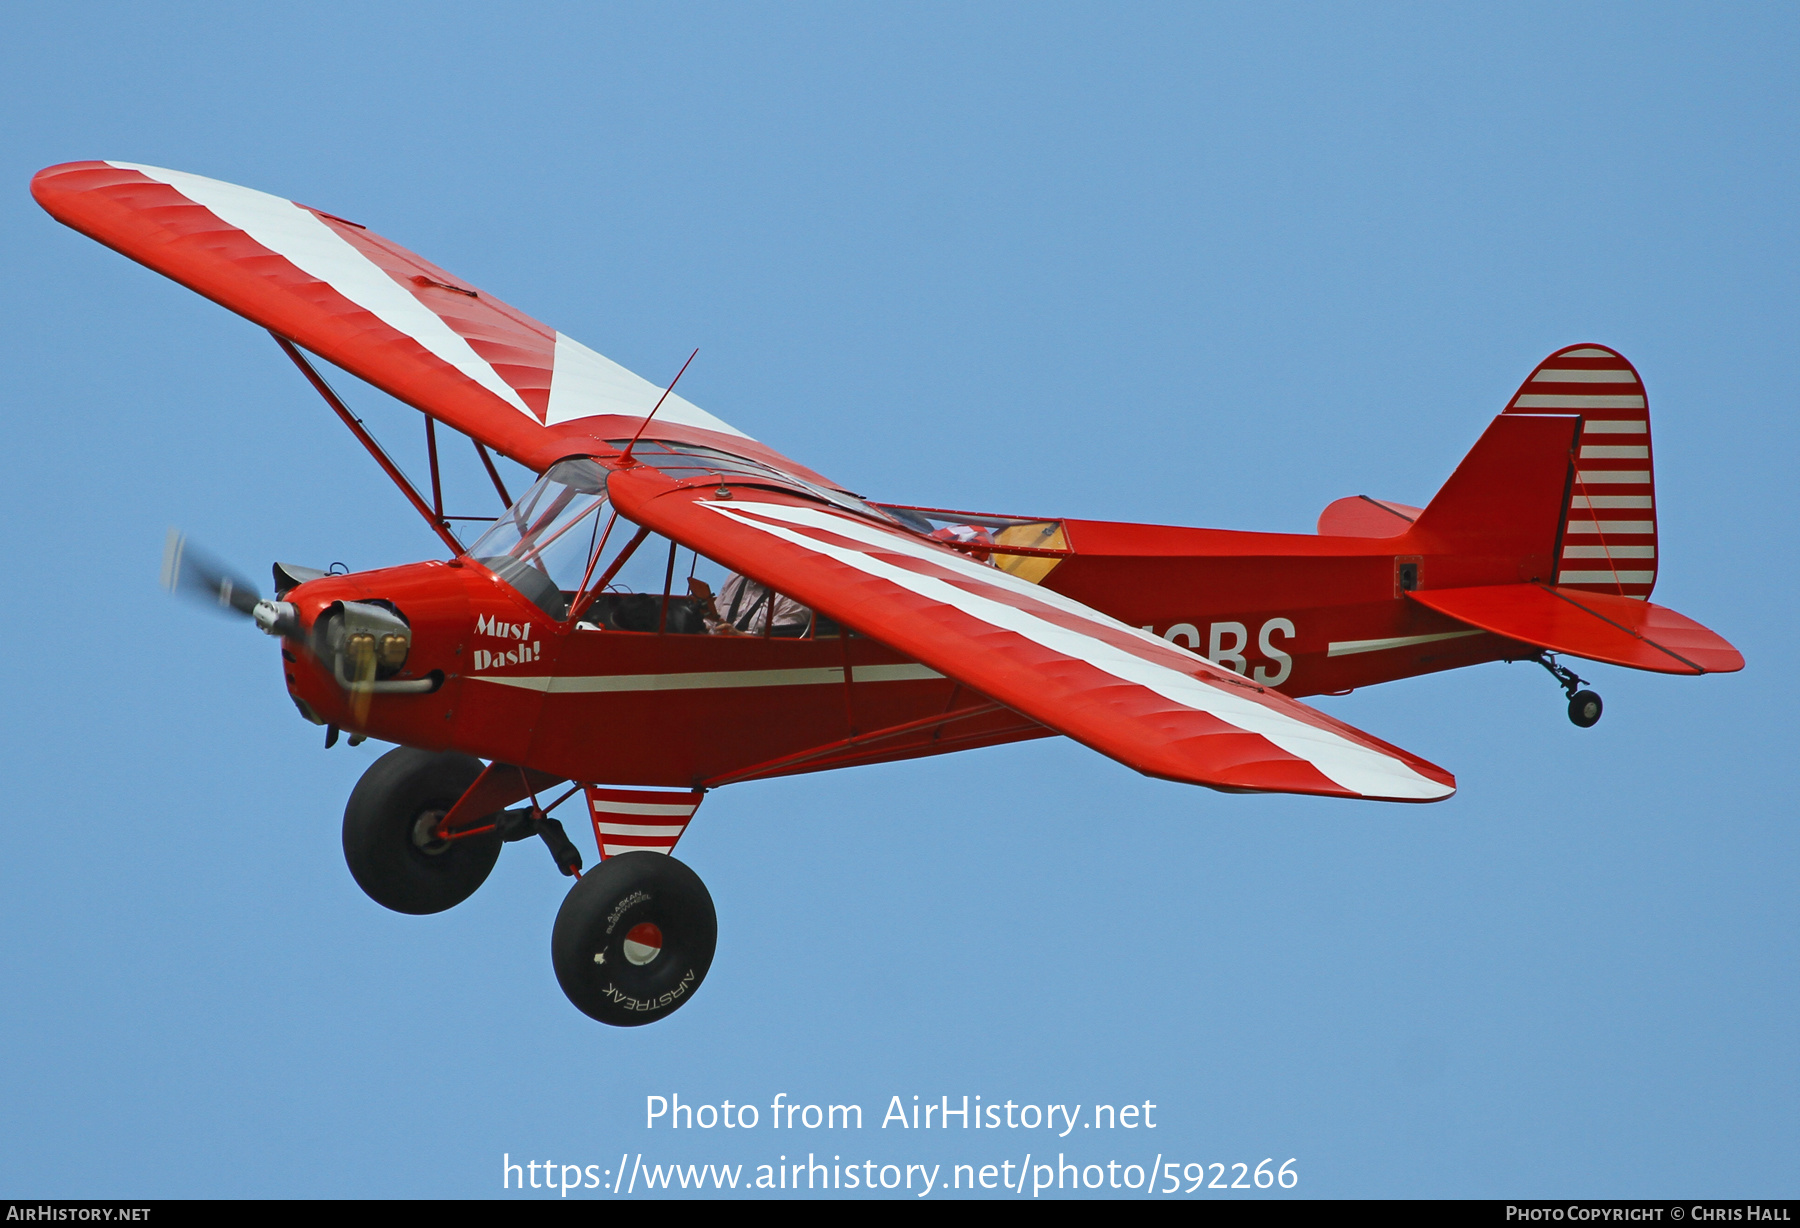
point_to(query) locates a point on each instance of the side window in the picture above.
(631, 597)
(1043, 540)
(660, 586)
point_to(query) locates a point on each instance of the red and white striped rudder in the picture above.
(1608, 542)
(640, 820)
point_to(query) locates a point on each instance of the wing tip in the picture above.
(1412, 781)
(57, 188)
(1442, 794)
(44, 185)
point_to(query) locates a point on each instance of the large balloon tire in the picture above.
(387, 825)
(599, 945)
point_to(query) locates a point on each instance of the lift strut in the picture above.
(435, 519)
(857, 742)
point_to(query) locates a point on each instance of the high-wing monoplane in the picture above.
(674, 606)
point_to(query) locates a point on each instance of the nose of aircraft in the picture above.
(376, 652)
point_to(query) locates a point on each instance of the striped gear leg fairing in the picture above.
(1608, 542)
(640, 820)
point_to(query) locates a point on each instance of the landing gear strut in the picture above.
(1584, 706)
(526, 822)
(397, 849)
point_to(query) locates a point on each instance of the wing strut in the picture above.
(805, 760)
(493, 473)
(436, 520)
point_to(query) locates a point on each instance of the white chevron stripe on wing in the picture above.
(584, 383)
(316, 249)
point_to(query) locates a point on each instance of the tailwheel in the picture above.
(391, 840)
(1585, 708)
(634, 939)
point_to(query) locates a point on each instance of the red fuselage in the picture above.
(1301, 614)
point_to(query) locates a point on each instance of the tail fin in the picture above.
(1561, 482)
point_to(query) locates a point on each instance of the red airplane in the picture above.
(675, 606)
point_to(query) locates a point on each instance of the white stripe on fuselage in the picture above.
(717, 680)
(1346, 648)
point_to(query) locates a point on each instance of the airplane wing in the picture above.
(1124, 692)
(377, 310)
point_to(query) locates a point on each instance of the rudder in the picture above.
(1608, 541)
(1561, 481)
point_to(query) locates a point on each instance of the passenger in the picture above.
(747, 609)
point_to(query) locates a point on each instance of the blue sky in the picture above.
(1179, 264)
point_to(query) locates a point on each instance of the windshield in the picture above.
(563, 536)
(543, 543)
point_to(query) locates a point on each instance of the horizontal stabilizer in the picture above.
(1598, 626)
(1361, 516)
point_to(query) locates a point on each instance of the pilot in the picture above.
(744, 607)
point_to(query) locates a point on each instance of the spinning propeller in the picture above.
(194, 573)
(364, 643)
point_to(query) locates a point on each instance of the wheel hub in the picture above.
(643, 943)
(424, 833)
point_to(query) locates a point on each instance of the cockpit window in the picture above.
(543, 544)
(976, 529)
(565, 549)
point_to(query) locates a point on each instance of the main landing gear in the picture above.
(395, 850)
(1584, 706)
(390, 839)
(634, 937)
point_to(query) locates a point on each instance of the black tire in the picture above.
(628, 897)
(387, 825)
(1585, 708)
